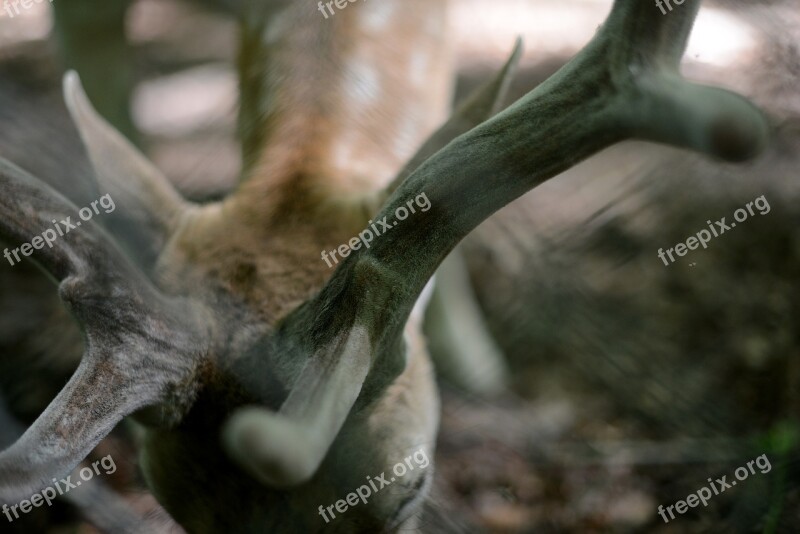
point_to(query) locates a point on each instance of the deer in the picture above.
(268, 383)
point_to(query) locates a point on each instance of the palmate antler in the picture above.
(625, 84)
(140, 345)
(144, 348)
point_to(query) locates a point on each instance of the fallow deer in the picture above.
(269, 383)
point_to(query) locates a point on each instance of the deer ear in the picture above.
(144, 207)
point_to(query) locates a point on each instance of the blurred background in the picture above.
(631, 382)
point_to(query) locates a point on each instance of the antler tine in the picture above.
(99, 504)
(29, 205)
(150, 207)
(616, 88)
(480, 105)
(140, 345)
(85, 411)
(285, 449)
(660, 40)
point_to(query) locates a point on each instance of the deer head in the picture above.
(271, 384)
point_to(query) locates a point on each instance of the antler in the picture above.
(484, 103)
(98, 503)
(150, 208)
(290, 445)
(625, 84)
(142, 348)
(469, 356)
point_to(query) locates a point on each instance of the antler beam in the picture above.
(624, 85)
(617, 88)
